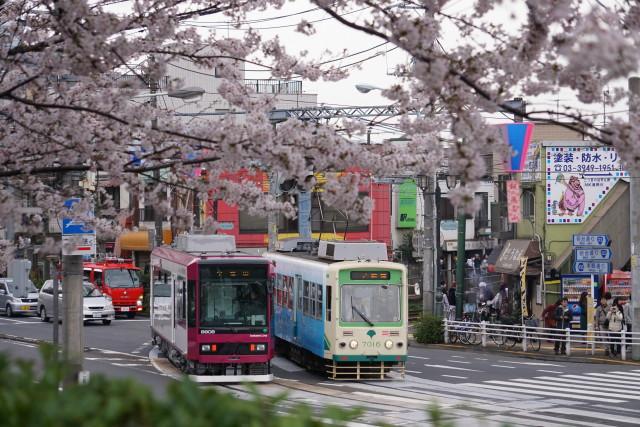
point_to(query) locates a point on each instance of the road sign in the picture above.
(592, 254)
(79, 244)
(591, 240)
(594, 267)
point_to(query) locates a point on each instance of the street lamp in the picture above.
(366, 88)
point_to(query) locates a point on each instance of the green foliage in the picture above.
(429, 330)
(27, 399)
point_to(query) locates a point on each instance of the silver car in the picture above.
(15, 299)
(96, 306)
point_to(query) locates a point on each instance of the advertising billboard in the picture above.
(578, 179)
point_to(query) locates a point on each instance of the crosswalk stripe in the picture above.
(601, 379)
(574, 390)
(503, 366)
(633, 374)
(586, 383)
(544, 393)
(611, 378)
(549, 372)
(532, 363)
(618, 408)
(418, 357)
(520, 421)
(454, 376)
(556, 420)
(584, 413)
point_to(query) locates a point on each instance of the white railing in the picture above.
(531, 337)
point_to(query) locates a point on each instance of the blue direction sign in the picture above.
(590, 240)
(71, 227)
(592, 254)
(594, 267)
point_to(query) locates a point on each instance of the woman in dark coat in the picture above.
(583, 303)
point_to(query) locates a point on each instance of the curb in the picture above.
(528, 355)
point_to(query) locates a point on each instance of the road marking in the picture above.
(597, 380)
(583, 413)
(332, 384)
(418, 357)
(550, 372)
(455, 368)
(555, 420)
(17, 321)
(132, 320)
(461, 357)
(390, 397)
(454, 376)
(531, 363)
(608, 377)
(618, 408)
(633, 374)
(481, 358)
(587, 386)
(503, 366)
(23, 344)
(128, 364)
(459, 361)
(108, 359)
(413, 372)
(544, 393)
(574, 390)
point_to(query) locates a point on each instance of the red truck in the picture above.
(118, 278)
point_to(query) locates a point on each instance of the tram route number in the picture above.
(207, 331)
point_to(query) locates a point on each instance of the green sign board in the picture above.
(407, 205)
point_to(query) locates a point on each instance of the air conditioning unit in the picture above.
(338, 250)
(295, 244)
(204, 243)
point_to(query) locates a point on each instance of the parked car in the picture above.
(16, 299)
(96, 306)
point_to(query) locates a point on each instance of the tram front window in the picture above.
(370, 303)
(233, 296)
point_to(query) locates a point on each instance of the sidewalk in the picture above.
(579, 353)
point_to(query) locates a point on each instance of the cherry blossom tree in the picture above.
(64, 109)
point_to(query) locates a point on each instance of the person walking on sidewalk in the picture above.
(563, 320)
(602, 324)
(584, 306)
(447, 313)
(616, 324)
(627, 312)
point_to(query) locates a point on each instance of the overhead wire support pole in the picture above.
(428, 249)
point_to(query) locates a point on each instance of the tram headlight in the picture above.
(205, 347)
(388, 344)
(353, 344)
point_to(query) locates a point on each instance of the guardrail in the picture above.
(531, 337)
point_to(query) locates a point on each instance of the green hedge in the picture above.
(429, 330)
(27, 399)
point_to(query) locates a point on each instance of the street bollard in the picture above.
(524, 338)
(446, 331)
(592, 336)
(623, 350)
(568, 340)
(483, 333)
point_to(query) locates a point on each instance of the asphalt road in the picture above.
(471, 387)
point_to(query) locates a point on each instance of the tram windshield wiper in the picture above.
(360, 313)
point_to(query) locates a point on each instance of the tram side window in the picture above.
(312, 301)
(279, 289)
(191, 307)
(286, 294)
(87, 275)
(328, 303)
(305, 300)
(180, 299)
(161, 285)
(290, 293)
(319, 302)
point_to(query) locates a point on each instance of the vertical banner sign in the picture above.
(407, 205)
(523, 286)
(513, 201)
(517, 136)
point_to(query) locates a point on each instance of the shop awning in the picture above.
(141, 240)
(509, 259)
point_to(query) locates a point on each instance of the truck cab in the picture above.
(118, 278)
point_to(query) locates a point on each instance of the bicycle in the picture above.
(533, 338)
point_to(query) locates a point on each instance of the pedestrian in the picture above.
(563, 321)
(583, 303)
(602, 324)
(446, 306)
(477, 263)
(549, 314)
(627, 312)
(616, 324)
(451, 294)
(609, 299)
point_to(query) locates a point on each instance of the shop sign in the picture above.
(578, 179)
(407, 192)
(514, 212)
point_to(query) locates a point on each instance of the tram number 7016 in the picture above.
(371, 344)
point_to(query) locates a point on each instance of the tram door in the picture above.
(298, 307)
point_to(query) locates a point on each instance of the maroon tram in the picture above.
(211, 309)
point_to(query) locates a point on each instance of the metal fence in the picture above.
(289, 87)
(530, 337)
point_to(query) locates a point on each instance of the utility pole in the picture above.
(427, 251)
(157, 216)
(73, 337)
(272, 219)
(634, 217)
(460, 263)
(56, 306)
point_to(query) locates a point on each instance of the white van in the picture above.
(16, 299)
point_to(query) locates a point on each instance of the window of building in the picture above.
(528, 202)
(446, 209)
(482, 215)
(325, 218)
(252, 224)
